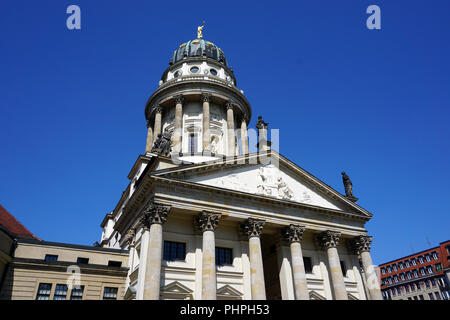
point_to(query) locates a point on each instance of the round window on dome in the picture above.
(213, 72)
(194, 69)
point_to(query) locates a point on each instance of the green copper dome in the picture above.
(198, 48)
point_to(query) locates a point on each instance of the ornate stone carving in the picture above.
(179, 99)
(294, 233)
(253, 227)
(362, 243)
(129, 237)
(154, 213)
(163, 144)
(329, 239)
(230, 105)
(283, 190)
(158, 109)
(208, 221)
(206, 97)
(260, 124)
(348, 187)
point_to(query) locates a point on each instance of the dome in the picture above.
(198, 48)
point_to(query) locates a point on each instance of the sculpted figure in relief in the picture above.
(283, 190)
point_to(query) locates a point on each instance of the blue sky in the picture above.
(374, 103)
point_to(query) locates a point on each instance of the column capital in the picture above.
(207, 221)
(362, 243)
(158, 108)
(154, 213)
(230, 105)
(206, 97)
(329, 239)
(179, 99)
(129, 237)
(252, 227)
(294, 233)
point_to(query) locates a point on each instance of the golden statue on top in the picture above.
(200, 31)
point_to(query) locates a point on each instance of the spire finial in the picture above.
(200, 31)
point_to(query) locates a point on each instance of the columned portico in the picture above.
(207, 222)
(294, 234)
(153, 217)
(362, 248)
(177, 134)
(330, 240)
(253, 229)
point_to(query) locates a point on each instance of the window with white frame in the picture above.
(414, 262)
(407, 263)
(435, 255)
(60, 292)
(420, 259)
(44, 291)
(428, 257)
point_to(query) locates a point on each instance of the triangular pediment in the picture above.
(176, 287)
(315, 296)
(228, 290)
(280, 179)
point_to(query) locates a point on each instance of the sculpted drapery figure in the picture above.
(200, 31)
(347, 185)
(163, 144)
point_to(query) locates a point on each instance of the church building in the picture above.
(202, 218)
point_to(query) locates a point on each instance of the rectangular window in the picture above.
(415, 273)
(82, 260)
(77, 293)
(421, 297)
(308, 264)
(394, 267)
(343, 268)
(407, 264)
(430, 269)
(224, 256)
(112, 263)
(437, 295)
(110, 293)
(401, 265)
(420, 259)
(60, 292)
(51, 257)
(395, 279)
(435, 255)
(428, 257)
(383, 271)
(43, 292)
(402, 276)
(174, 251)
(415, 297)
(192, 143)
(422, 271)
(414, 262)
(438, 267)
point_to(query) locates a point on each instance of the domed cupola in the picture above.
(198, 48)
(197, 108)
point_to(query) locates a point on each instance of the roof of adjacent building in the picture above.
(13, 226)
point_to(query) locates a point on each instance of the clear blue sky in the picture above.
(374, 103)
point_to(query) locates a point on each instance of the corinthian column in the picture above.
(244, 135)
(153, 217)
(177, 133)
(157, 124)
(207, 221)
(149, 144)
(294, 235)
(253, 228)
(206, 137)
(230, 129)
(129, 239)
(330, 240)
(362, 248)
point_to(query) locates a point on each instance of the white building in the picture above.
(206, 219)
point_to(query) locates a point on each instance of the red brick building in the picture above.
(421, 276)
